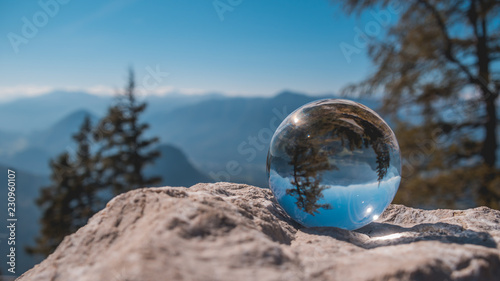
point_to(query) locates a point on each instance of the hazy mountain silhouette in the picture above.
(39, 146)
(214, 132)
(175, 169)
(10, 142)
(175, 100)
(58, 136)
(37, 113)
(32, 159)
(211, 129)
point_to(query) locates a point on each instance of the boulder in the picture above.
(227, 231)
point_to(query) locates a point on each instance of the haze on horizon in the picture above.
(247, 48)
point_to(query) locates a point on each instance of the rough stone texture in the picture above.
(238, 232)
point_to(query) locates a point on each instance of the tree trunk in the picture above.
(489, 148)
(490, 144)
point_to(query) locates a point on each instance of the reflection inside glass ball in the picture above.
(334, 163)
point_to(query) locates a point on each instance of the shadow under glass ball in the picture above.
(334, 163)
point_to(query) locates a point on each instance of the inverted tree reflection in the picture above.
(311, 148)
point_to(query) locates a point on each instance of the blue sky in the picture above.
(258, 47)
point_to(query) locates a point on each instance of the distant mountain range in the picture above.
(29, 114)
(38, 113)
(213, 130)
(232, 130)
(39, 146)
(175, 169)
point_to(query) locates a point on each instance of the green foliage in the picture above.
(442, 56)
(109, 160)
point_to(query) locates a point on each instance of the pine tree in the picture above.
(88, 176)
(442, 57)
(71, 200)
(125, 151)
(109, 160)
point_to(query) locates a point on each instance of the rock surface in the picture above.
(227, 231)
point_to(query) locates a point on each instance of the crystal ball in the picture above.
(334, 163)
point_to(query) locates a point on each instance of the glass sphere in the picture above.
(334, 163)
